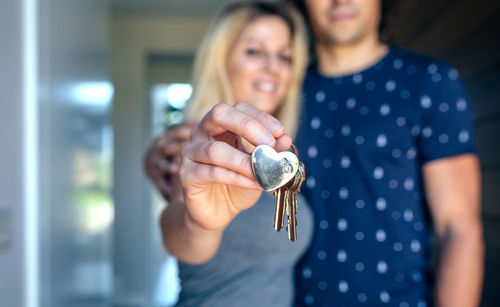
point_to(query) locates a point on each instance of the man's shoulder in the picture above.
(421, 62)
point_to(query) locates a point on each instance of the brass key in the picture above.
(280, 207)
(291, 201)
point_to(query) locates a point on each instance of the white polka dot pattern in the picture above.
(359, 235)
(342, 224)
(350, 103)
(362, 297)
(315, 123)
(346, 130)
(385, 297)
(322, 255)
(345, 162)
(320, 96)
(381, 140)
(390, 85)
(381, 204)
(357, 78)
(360, 267)
(380, 235)
(360, 204)
(397, 64)
(425, 102)
(312, 152)
(307, 272)
(322, 285)
(343, 286)
(365, 140)
(343, 193)
(342, 256)
(323, 224)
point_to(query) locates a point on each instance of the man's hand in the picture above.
(162, 160)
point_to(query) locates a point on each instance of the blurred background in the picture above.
(85, 87)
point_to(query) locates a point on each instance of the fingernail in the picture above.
(267, 138)
(275, 126)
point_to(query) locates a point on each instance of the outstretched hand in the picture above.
(216, 172)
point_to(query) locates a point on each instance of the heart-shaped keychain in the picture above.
(273, 169)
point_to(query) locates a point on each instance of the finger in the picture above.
(220, 154)
(190, 123)
(164, 167)
(182, 131)
(272, 124)
(173, 148)
(224, 117)
(193, 173)
(163, 187)
(186, 123)
(283, 143)
(173, 135)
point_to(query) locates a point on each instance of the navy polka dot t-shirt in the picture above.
(363, 139)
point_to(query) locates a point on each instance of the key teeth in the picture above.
(290, 204)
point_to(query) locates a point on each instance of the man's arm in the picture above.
(452, 188)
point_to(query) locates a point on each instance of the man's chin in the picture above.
(346, 38)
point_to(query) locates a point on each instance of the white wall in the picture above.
(42, 171)
(11, 139)
(75, 153)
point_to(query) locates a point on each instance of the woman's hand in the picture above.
(216, 172)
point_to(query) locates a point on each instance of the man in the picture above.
(386, 138)
(387, 142)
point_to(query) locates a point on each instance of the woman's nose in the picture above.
(272, 63)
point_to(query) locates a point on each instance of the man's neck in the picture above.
(338, 60)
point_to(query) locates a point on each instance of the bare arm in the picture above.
(181, 235)
(186, 239)
(453, 191)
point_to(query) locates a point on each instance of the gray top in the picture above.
(254, 264)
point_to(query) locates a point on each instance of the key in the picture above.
(280, 194)
(286, 202)
(280, 207)
(291, 201)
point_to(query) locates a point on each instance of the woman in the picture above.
(228, 252)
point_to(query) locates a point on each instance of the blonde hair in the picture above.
(210, 74)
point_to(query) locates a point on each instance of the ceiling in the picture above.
(179, 8)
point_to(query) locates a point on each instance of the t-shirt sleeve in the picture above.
(446, 115)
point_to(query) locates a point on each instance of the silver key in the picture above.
(291, 201)
(280, 194)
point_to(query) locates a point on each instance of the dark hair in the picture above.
(264, 8)
(387, 11)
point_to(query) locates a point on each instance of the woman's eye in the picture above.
(253, 52)
(285, 58)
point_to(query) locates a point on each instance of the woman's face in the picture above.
(260, 64)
